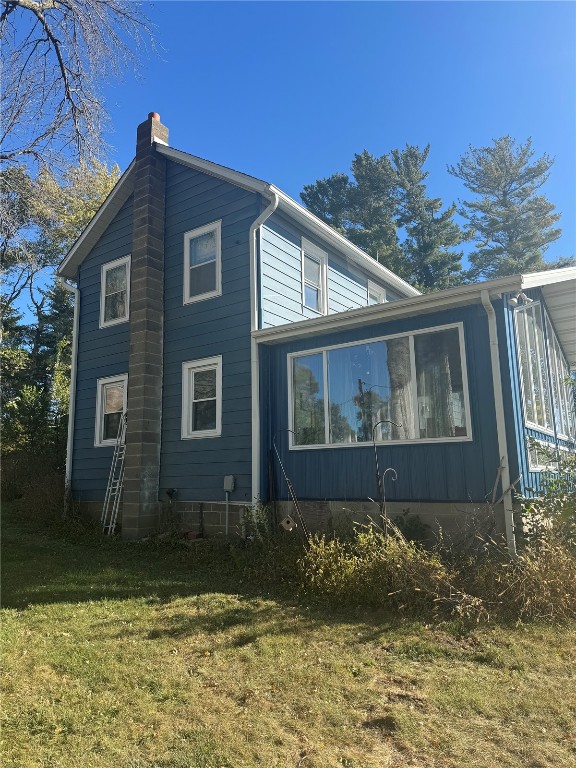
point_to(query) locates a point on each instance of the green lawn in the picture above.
(139, 656)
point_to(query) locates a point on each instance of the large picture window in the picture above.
(115, 292)
(202, 263)
(202, 398)
(110, 405)
(396, 389)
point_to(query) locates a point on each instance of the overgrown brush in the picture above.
(375, 569)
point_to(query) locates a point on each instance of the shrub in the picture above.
(374, 569)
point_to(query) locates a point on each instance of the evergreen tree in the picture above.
(386, 198)
(511, 224)
(430, 234)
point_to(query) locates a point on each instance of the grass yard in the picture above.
(141, 656)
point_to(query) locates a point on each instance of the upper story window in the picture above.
(202, 263)
(376, 294)
(115, 292)
(396, 389)
(110, 405)
(202, 398)
(314, 277)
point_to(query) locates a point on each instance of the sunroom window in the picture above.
(533, 367)
(402, 388)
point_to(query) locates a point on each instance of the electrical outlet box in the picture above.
(229, 483)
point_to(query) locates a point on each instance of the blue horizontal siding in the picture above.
(216, 326)
(102, 352)
(281, 276)
(444, 472)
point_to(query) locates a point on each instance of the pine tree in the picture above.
(430, 234)
(511, 224)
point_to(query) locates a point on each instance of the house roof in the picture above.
(558, 287)
(125, 186)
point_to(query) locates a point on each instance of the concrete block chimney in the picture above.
(145, 369)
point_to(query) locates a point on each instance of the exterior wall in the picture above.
(281, 276)
(518, 433)
(456, 472)
(215, 326)
(101, 352)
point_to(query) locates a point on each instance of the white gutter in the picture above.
(500, 423)
(72, 403)
(254, 356)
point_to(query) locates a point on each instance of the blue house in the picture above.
(238, 330)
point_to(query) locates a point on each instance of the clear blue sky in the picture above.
(289, 91)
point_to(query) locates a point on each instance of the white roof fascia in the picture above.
(90, 236)
(547, 277)
(250, 183)
(416, 305)
(326, 232)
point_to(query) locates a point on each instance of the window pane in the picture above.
(115, 306)
(373, 298)
(203, 415)
(203, 279)
(204, 384)
(111, 425)
(203, 249)
(308, 384)
(311, 270)
(370, 383)
(524, 355)
(543, 370)
(113, 398)
(440, 390)
(116, 279)
(312, 297)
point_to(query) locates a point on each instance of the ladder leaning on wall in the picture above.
(115, 481)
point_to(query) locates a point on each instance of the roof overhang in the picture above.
(125, 186)
(558, 287)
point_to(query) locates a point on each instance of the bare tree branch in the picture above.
(55, 53)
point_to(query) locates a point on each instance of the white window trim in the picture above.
(379, 290)
(214, 226)
(311, 250)
(198, 365)
(100, 385)
(521, 312)
(409, 441)
(103, 270)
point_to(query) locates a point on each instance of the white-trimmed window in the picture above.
(533, 367)
(314, 277)
(110, 405)
(202, 398)
(202, 263)
(115, 292)
(404, 388)
(562, 392)
(376, 294)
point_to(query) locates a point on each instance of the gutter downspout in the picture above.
(254, 361)
(72, 405)
(500, 423)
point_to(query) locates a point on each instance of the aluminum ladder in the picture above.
(115, 481)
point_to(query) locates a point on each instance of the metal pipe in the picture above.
(254, 363)
(73, 363)
(500, 423)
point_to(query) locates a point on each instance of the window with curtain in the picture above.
(405, 388)
(110, 405)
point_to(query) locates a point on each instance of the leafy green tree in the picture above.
(385, 210)
(430, 234)
(510, 223)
